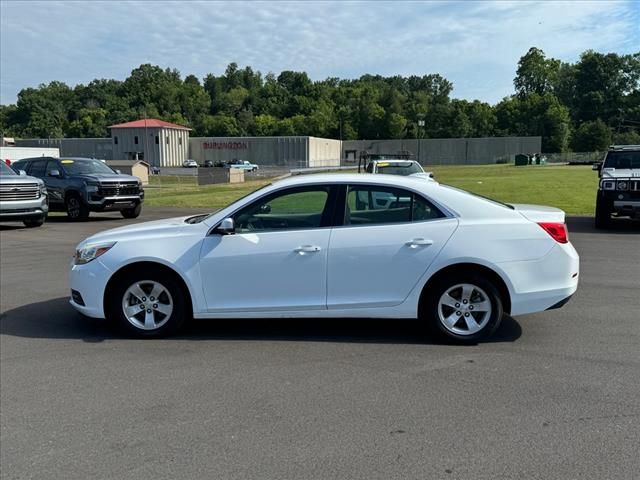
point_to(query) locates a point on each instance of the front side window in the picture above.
(372, 205)
(51, 165)
(292, 209)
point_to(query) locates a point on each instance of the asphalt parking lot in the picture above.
(553, 395)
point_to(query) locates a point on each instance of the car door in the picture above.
(389, 238)
(277, 258)
(55, 183)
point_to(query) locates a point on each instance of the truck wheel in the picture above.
(132, 212)
(34, 222)
(77, 211)
(603, 212)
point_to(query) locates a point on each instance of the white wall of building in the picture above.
(14, 154)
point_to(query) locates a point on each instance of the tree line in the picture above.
(581, 106)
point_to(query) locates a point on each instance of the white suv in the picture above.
(619, 187)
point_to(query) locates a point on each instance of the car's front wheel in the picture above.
(132, 212)
(465, 308)
(77, 210)
(604, 208)
(147, 304)
(34, 222)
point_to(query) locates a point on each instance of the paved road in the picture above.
(554, 395)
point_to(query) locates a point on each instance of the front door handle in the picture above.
(419, 242)
(304, 249)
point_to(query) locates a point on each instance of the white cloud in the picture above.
(476, 45)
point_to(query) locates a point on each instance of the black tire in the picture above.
(604, 207)
(34, 222)
(77, 210)
(430, 308)
(132, 212)
(114, 310)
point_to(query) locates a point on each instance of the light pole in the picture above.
(420, 127)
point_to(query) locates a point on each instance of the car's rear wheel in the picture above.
(132, 212)
(148, 304)
(604, 208)
(77, 210)
(465, 308)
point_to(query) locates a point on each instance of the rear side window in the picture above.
(37, 168)
(371, 205)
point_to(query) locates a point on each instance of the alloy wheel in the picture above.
(147, 305)
(464, 309)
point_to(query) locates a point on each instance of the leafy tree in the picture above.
(536, 73)
(591, 136)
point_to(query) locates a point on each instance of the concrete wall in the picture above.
(291, 152)
(73, 147)
(450, 151)
(14, 154)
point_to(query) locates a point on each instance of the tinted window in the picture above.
(51, 165)
(37, 168)
(622, 160)
(85, 166)
(367, 205)
(291, 209)
(404, 169)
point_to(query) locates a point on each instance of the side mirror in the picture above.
(22, 173)
(54, 173)
(597, 166)
(226, 227)
(118, 172)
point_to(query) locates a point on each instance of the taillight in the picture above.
(558, 231)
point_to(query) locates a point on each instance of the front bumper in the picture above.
(90, 281)
(106, 204)
(627, 207)
(17, 210)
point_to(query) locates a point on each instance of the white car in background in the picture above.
(190, 164)
(343, 245)
(399, 167)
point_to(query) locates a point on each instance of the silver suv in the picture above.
(22, 198)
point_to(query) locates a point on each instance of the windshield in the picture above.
(85, 166)
(623, 160)
(399, 168)
(6, 169)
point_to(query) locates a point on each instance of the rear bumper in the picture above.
(545, 283)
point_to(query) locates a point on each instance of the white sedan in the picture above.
(333, 246)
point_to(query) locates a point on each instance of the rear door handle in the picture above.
(419, 242)
(302, 249)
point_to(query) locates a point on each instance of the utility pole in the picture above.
(420, 127)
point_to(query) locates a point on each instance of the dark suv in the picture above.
(619, 188)
(82, 185)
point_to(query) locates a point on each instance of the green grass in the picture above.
(573, 189)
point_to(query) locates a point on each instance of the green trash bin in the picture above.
(522, 160)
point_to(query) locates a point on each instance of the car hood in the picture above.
(19, 179)
(620, 173)
(107, 177)
(539, 213)
(167, 227)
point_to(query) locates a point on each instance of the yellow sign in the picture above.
(66, 161)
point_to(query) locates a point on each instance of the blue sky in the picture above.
(474, 44)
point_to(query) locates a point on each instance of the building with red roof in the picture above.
(159, 143)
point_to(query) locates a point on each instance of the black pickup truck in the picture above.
(82, 185)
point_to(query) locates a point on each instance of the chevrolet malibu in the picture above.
(333, 246)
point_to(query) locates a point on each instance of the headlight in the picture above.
(624, 185)
(608, 185)
(91, 252)
(92, 187)
(43, 189)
